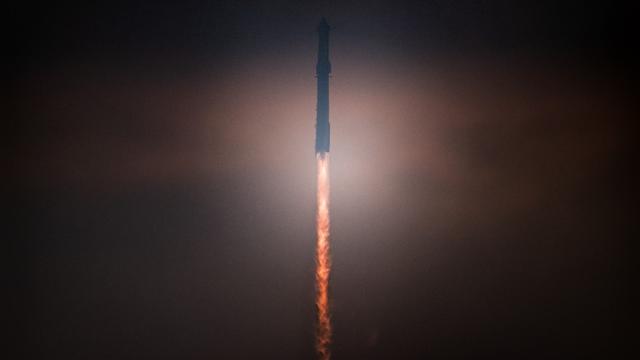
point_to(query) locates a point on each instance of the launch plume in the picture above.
(323, 260)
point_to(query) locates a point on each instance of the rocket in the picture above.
(323, 68)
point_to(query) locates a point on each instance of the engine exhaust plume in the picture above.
(323, 260)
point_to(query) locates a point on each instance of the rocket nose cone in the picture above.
(323, 24)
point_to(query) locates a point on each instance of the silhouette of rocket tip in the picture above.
(323, 23)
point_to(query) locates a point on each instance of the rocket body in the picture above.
(323, 69)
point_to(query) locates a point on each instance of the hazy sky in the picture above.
(165, 170)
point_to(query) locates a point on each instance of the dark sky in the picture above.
(161, 158)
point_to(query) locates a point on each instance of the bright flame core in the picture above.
(323, 260)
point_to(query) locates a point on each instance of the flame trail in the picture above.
(323, 261)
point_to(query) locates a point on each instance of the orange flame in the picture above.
(323, 261)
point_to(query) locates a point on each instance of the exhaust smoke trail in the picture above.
(323, 260)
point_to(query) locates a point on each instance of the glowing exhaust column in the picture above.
(323, 260)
